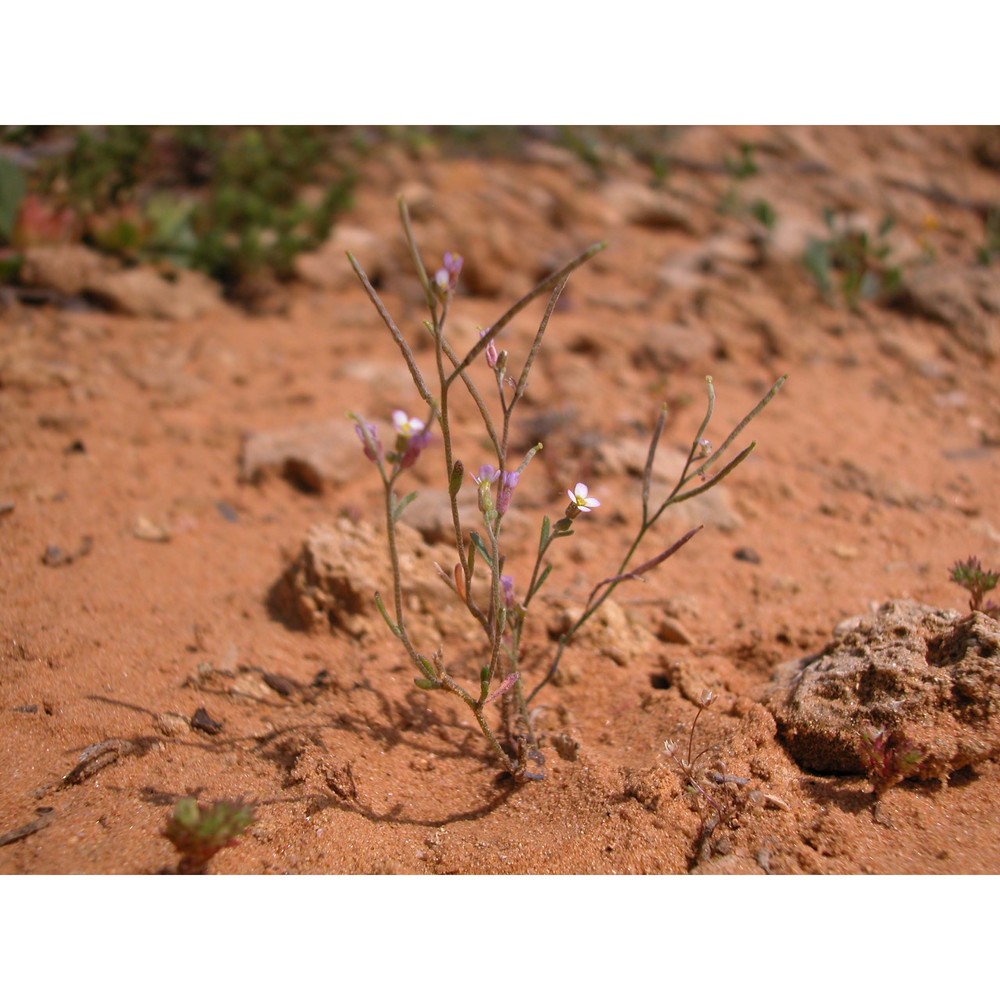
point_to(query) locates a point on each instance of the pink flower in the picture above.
(580, 502)
(446, 277)
(406, 426)
(486, 474)
(411, 438)
(492, 355)
(507, 483)
(507, 584)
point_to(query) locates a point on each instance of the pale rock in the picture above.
(142, 291)
(640, 205)
(312, 456)
(329, 268)
(69, 270)
(930, 676)
(964, 299)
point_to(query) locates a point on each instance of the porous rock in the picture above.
(930, 676)
(332, 581)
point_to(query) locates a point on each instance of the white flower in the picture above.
(578, 497)
(406, 426)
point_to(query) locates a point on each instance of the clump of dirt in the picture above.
(931, 677)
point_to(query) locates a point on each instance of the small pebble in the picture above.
(203, 722)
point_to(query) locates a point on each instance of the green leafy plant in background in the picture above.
(498, 603)
(199, 833)
(255, 218)
(853, 261)
(240, 203)
(13, 187)
(989, 250)
(763, 211)
(744, 166)
(733, 202)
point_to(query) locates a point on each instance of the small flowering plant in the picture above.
(480, 553)
(200, 832)
(978, 581)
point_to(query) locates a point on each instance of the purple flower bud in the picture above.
(414, 446)
(485, 479)
(370, 441)
(507, 583)
(508, 481)
(492, 355)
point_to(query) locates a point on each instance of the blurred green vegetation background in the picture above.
(236, 202)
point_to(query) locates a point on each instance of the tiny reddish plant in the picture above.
(888, 757)
(969, 573)
(200, 833)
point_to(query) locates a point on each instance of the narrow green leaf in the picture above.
(546, 531)
(481, 545)
(393, 627)
(430, 672)
(402, 505)
(542, 577)
(455, 482)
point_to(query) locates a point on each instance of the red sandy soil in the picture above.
(875, 470)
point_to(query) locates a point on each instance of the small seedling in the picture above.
(200, 833)
(853, 259)
(763, 211)
(888, 758)
(745, 165)
(687, 765)
(698, 778)
(978, 582)
(478, 580)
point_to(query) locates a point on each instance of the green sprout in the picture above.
(854, 260)
(200, 833)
